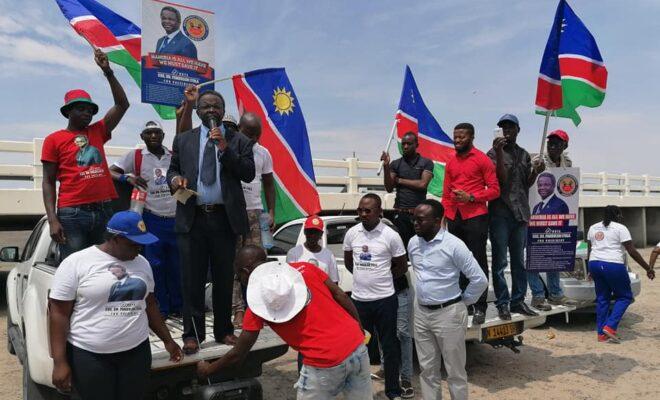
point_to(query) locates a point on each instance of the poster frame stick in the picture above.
(216, 81)
(545, 133)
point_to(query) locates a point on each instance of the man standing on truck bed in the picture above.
(470, 182)
(145, 169)
(312, 315)
(75, 157)
(410, 175)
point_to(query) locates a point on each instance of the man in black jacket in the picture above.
(210, 160)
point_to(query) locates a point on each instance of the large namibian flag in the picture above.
(572, 71)
(433, 141)
(269, 94)
(116, 36)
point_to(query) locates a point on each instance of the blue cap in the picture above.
(508, 117)
(129, 224)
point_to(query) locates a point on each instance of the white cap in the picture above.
(152, 125)
(229, 118)
(276, 292)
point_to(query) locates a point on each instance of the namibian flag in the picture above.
(116, 36)
(572, 71)
(433, 141)
(269, 94)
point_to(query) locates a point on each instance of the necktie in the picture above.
(165, 42)
(209, 164)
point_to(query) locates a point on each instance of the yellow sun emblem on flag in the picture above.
(283, 101)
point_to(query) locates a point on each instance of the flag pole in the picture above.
(215, 81)
(545, 133)
(389, 143)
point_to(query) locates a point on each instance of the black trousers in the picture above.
(404, 224)
(210, 242)
(379, 316)
(114, 376)
(474, 233)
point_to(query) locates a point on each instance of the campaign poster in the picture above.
(177, 50)
(552, 233)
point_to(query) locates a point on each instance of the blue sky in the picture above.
(473, 61)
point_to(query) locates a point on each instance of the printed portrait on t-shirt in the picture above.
(314, 262)
(126, 288)
(365, 255)
(87, 154)
(159, 178)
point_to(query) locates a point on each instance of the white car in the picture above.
(494, 331)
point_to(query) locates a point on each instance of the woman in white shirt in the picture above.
(102, 306)
(607, 240)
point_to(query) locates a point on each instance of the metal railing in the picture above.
(341, 182)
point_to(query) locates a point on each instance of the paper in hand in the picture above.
(182, 195)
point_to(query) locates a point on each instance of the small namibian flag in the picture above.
(434, 143)
(116, 36)
(572, 71)
(269, 94)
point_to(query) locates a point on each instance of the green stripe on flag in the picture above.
(124, 58)
(435, 186)
(285, 209)
(576, 93)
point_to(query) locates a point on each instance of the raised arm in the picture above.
(184, 120)
(116, 112)
(239, 159)
(389, 177)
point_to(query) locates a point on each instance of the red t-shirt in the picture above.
(474, 173)
(322, 331)
(81, 165)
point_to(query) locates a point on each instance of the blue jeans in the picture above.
(83, 226)
(404, 333)
(507, 233)
(551, 280)
(351, 377)
(610, 279)
(163, 256)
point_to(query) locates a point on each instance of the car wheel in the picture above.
(35, 391)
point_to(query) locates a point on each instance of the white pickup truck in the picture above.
(494, 331)
(28, 285)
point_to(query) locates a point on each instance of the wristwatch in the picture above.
(471, 198)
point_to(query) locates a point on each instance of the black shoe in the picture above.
(479, 317)
(523, 309)
(503, 312)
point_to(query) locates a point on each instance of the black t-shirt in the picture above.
(407, 197)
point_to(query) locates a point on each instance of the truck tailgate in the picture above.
(209, 349)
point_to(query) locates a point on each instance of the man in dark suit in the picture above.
(549, 204)
(211, 161)
(174, 42)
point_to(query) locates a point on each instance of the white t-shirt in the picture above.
(606, 242)
(324, 259)
(372, 260)
(153, 170)
(263, 164)
(109, 313)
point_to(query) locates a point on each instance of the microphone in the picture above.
(213, 123)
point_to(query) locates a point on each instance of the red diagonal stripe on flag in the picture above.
(97, 33)
(548, 95)
(579, 68)
(285, 167)
(427, 148)
(133, 47)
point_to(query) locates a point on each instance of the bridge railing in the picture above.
(349, 176)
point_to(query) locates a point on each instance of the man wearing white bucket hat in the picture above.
(311, 314)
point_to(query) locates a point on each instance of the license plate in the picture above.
(500, 331)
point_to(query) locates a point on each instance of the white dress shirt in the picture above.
(437, 266)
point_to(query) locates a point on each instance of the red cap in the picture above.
(314, 222)
(560, 134)
(76, 96)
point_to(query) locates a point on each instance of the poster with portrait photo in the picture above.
(552, 232)
(178, 49)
